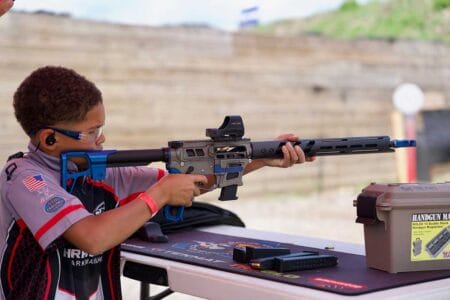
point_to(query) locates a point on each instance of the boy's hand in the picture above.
(177, 189)
(291, 155)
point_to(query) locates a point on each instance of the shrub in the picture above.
(441, 4)
(349, 5)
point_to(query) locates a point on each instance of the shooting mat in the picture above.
(350, 277)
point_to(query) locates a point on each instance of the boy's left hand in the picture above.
(292, 155)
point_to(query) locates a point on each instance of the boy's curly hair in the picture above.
(51, 95)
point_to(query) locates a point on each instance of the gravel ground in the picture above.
(329, 215)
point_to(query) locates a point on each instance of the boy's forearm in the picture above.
(97, 234)
(254, 165)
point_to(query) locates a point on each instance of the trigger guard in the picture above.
(177, 217)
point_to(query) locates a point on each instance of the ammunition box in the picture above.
(406, 226)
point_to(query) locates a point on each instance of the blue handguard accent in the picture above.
(96, 169)
(218, 169)
(403, 143)
(173, 213)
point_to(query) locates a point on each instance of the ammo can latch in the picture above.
(366, 209)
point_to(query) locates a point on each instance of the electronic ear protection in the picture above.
(50, 140)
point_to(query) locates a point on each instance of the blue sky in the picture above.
(223, 14)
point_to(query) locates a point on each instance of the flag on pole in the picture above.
(249, 17)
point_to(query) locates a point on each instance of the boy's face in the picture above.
(90, 129)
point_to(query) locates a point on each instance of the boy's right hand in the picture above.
(177, 189)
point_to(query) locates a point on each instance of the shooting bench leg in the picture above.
(147, 275)
(145, 292)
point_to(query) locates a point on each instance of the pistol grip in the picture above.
(173, 213)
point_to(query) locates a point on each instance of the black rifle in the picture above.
(225, 155)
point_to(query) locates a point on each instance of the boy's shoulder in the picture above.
(17, 166)
(14, 164)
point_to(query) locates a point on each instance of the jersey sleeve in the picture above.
(44, 206)
(128, 181)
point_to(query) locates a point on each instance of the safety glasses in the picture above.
(88, 137)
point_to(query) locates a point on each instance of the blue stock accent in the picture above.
(219, 170)
(96, 168)
(403, 143)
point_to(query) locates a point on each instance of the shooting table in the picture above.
(211, 283)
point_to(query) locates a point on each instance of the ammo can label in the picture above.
(430, 236)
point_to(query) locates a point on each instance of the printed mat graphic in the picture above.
(350, 277)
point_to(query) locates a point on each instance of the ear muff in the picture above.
(50, 140)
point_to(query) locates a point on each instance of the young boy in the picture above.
(60, 245)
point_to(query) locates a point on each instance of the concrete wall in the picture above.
(162, 84)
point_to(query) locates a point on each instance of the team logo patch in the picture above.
(99, 209)
(34, 183)
(54, 204)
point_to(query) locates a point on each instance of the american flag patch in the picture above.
(34, 183)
